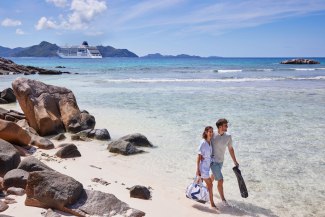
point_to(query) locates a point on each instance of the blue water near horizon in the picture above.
(276, 113)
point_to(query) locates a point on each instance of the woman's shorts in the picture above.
(205, 170)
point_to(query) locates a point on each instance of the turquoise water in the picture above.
(276, 115)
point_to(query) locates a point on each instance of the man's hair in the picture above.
(221, 122)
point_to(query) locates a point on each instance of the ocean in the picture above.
(276, 114)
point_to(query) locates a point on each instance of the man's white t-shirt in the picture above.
(219, 145)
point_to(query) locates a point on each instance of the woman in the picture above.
(204, 160)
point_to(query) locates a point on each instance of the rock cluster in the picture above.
(300, 61)
(9, 67)
(51, 110)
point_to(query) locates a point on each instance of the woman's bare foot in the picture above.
(214, 206)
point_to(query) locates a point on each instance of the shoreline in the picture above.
(116, 170)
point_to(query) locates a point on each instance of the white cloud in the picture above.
(82, 13)
(44, 23)
(20, 32)
(59, 3)
(9, 22)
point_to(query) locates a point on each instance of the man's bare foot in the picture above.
(225, 203)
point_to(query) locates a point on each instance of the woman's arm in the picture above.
(199, 158)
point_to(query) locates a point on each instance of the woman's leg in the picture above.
(210, 187)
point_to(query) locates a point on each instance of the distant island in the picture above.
(46, 49)
(158, 55)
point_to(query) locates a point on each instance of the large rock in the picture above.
(50, 109)
(50, 189)
(137, 139)
(9, 157)
(123, 147)
(8, 95)
(31, 164)
(300, 61)
(15, 178)
(15, 134)
(96, 203)
(141, 192)
(68, 151)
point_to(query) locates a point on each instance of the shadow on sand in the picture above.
(237, 209)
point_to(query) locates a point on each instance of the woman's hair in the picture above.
(205, 132)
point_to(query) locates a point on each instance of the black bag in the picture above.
(241, 182)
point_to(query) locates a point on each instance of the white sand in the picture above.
(115, 170)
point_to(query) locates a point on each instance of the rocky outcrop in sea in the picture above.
(8, 67)
(300, 61)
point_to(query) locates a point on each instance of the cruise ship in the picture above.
(81, 51)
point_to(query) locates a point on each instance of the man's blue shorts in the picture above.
(216, 170)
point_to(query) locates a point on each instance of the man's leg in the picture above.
(217, 175)
(220, 189)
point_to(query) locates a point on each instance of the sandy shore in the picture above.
(121, 172)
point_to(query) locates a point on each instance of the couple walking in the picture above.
(211, 153)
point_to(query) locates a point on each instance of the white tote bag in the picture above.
(197, 191)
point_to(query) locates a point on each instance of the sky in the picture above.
(228, 28)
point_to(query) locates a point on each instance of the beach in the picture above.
(276, 119)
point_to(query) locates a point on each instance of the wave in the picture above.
(212, 80)
(265, 70)
(228, 70)
(306, 69)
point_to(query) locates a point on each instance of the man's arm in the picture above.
(232, 154)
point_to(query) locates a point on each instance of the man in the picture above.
(220, 142)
